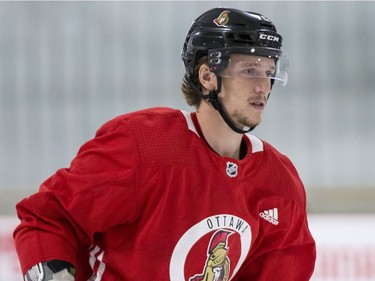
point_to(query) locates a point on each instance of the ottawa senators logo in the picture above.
(222, 19)
(217, 264)
(214, 249)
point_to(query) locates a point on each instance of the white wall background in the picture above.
(67, 67)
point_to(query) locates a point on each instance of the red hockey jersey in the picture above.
(147, 199)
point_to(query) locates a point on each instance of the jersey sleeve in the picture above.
(97, 192)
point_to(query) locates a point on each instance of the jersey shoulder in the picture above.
(152, 118)
(160, 134)
(281, 175)
(273, 155)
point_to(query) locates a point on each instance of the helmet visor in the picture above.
(257, 65)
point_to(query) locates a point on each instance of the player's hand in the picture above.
(54, 270)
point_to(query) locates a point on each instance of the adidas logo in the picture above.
(270, 215)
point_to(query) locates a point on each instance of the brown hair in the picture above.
(190, 94)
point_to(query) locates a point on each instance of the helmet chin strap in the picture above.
(212, 97)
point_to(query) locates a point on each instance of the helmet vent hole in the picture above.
(240, 38)
(267, 25)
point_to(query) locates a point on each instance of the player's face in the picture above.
(245, 87)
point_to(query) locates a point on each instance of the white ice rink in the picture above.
(345, 248)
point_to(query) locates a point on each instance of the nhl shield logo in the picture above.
(232, 169)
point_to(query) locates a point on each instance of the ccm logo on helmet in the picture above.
(269, 37)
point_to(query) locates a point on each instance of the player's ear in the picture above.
(207, 78)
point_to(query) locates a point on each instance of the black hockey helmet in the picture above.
(220, 32)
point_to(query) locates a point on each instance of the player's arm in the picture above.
(294, 263)
(75, 203)
(54, 270)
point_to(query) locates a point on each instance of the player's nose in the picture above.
(262, 85)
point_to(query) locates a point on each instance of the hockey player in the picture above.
(162, 194)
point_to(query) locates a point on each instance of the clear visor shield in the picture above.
(258, 67)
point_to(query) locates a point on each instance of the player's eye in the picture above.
(250, 71)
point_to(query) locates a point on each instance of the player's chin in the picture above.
(255, 119)
(253, 122)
